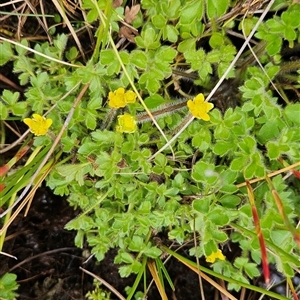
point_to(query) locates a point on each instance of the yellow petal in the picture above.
(120, 91)
(199, 99)
(117, 99)
(126, 123)
(38, 125)
(212, 258)
(199, 108)
(130, 97)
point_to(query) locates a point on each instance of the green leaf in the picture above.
(19, 108)
(79, 238)
(186, 45)
(72, 53)
(292, 112)
(126, 258)
(9, 97)
(251, 270)
(90, 121)
(201, 205)
(273, 150)
(218, 217)
(6, 53)
(191, 11)
(8, 285)
(238, 163)
(216, 8)
(219, 236)
(22, 51)
(3, 111)
(230, 201)
(8, 279)
(195, 58)
(223, 147)
(177, 234)
(204, 172)
(151, 81)
(148, 39)
(139, 59)
(136, 244)
(170, 33)
(160, 160)
(165, 54)
(154, 101)
(248, 145)
(145, 207)
(210, 247)
(268, 131)
(159, 21)
(216, 40)
(153, 252)
(171, 9)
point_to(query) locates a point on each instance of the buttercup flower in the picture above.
(199, 108)
(212, 258)
(116, 98)
(126, 123)
(38, 125)
(119, 98)
(130, 97)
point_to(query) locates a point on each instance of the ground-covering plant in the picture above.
(8, 286)
(223, 179)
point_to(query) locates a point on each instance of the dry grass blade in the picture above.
(24, 202)
(6, 254)
(153, 270)
(66, 20)
(209, 280)
(39, 20)
(111, 288)
(38, 53)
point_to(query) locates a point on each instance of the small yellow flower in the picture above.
(212, 258)
(38, 125)
(130, 97)
(200, 108)
(117, 98)
(126, 123)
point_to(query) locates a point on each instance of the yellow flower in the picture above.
(212, 258)
(200, 108)
(126, 123)
(38, 125)
(130, 97)
(117, 98)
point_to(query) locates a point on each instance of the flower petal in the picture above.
(38, 125)
(199, 108)
(117, 98)
(212, 257)
(130, 97)
(126, 123)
